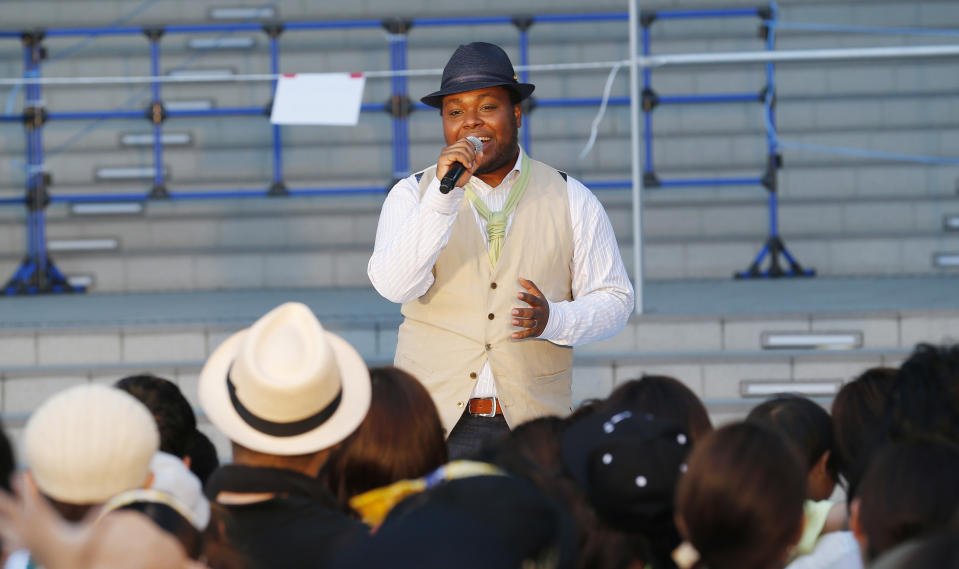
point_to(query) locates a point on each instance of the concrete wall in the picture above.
(713, 355)
(843, 214)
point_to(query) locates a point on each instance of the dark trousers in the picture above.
(471, 431)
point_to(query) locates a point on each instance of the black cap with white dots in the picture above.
(628, 464)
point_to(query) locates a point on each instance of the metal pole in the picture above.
(636, 148)
(401, 155)
(524, 78)
(647, 113)
(770, 110)
(158, 181)
(38, 245)
(277, 136)
(40, 214)
(28, 136)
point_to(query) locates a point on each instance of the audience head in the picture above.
(740, 502)
(172, 412)
(934, 552)
(171, 476)
(585, 407)
(285, 386)
(168, 513)
(910, 490)
(532, 451)
(203, 457)
(666, 398)
(477, 521)
(807, 426)
(925, 399)
(859, 422)
(87, 444)
(400, 438)
(629, 465)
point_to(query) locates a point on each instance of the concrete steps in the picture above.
(311, 223)
(890, 105)
(345, 265)
(49, 344)
(326, 242)
(709, 153)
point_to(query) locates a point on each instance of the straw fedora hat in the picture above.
(285, 386)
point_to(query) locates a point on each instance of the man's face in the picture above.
(489, 115)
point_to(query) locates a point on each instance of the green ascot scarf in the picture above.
(496, 220)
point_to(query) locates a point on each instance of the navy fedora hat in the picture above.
(477, 65)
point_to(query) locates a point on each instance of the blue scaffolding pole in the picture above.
(774, 245)
(400, 105)
(277, 187)
(157, 116)
(648, 103)
(37, 273)
(523, 24)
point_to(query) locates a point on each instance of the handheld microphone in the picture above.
(456, 170)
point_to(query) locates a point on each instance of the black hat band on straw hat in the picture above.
(276, 429)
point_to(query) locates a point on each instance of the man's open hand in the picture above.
(533, 319)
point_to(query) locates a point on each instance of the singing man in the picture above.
(500, 277)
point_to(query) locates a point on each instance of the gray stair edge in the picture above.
(586, 359)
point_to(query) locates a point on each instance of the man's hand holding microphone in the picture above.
(456, 160)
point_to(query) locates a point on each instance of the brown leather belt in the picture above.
(484, 406)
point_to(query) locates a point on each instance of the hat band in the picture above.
(275, 429)
(475, 77)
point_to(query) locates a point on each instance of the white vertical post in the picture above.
(634, 130)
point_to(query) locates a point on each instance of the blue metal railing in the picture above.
(401, 165)
(399, 107)
(774, 246)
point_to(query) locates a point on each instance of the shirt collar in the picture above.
(251, 479)
(510, 176)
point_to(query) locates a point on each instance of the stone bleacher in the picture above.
(843, 215)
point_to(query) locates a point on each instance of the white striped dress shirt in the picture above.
(411, 234)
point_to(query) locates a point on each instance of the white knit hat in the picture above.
(90, 442)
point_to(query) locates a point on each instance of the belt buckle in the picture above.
(492, 409)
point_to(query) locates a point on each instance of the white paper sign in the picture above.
(318, 98)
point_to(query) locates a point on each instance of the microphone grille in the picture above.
(477, 143)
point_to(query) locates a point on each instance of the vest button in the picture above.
(459, 403)
(492, 285)
(491, 316)
(472, 375)
(489, 347)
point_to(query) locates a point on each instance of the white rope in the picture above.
(263, 77)
(801, 55)
(602, 111)
(648, 61)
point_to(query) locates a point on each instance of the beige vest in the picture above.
(463, 320)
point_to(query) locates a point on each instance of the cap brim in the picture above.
(354, 403)
(435, 99)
